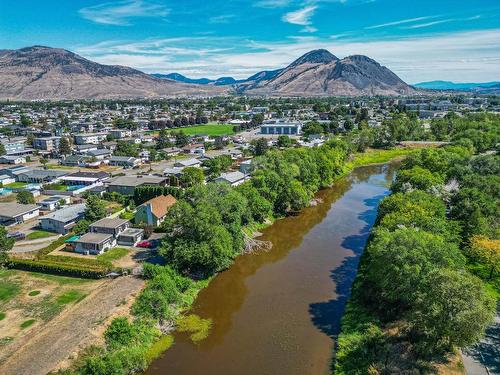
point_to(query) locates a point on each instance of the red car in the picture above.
(145, 244)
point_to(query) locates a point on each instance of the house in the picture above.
(12, 159)
(246, 166)
(232, 178)
(74, 161)
(187, 163)
(14, 146)
(125, 161)
(54, 202)
(6, 179)
(93, 138)
(63, 220)
(47, 143)
(197, 149)
(153, 211)
(86, 148)
(109, 226)
(172, 151)
(130, 236)
(84, 178)
(94, 243)
(120, 133)
(126, 184)
(41, 176)
(99, 154)
(15, 213)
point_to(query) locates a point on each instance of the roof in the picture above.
(109, 223)
(131, 232)
(101, 151)
(67, 213)
(136, 180)
(94, 237)
(100, 175)
(122, 158)
(188, 162)
(231, 176)
(13, 209)
(161, 204)
(43, 173)
(11, 157)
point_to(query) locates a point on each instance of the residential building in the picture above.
(109, 226)
(47, 143)
(94, 243)
(120, 133)
(125, 161)
(6, 179)
(232, 178)
(92, 138)
(84, 178)
(15, 213)
(41, 176)
(99, 154)
(63, 220)
(54, 202)
(12, 159)
(14, 146)
(126, 184)
(130, 236)
(187, 163)
(153, 211)
(289, 128)
(74, 161)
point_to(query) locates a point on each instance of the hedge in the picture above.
(57, 268)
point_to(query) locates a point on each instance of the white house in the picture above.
(15, 213)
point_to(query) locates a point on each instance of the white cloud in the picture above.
(300, 17)
(428, 24)
(120, 13)
(400, 22)
(462, 56)
(272, 3)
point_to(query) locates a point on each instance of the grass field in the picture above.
(28, 300)
(209, 129)
(113, 254)
(380, 156)
(39, 234)
(16, 185)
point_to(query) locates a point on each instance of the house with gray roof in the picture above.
(126, 184)
(14, 213)
(63, 220)
(124, 161)
(232, 178)
(41, 176)
(94, 243)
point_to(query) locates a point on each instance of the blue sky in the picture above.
(419, 40)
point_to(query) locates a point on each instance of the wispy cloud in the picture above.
(400, 22)
(428, 24)
(272, 3)
(456, 56)
(120, 13)
(223, 18)
(300, 17)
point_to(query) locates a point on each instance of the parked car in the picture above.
(145, 244)
(17, 236)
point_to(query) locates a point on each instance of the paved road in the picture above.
(484, 358)
(71, 330)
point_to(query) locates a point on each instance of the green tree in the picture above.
(452, 310)
(417, 178)
(192, 176)
(25, 197)
(6, 244)
(95, 208)
(260, 146)
(81, 227)
(2, 149)
(64, 146)
(181, 139)
(284, 141)
(124, 148)
(119, 333)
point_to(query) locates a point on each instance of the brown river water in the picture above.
(278, 312)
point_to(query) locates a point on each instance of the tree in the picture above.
(452, 310)
(81, 227)
(417, 178)
(124, 148)
(181, 139)
(260, 208)
(64, 146)
(95, 208)
(6, 244)
(192, 176)
(119, 333)
(284, 141)
(2, 149)
(163, 141)
(260, 146)
(25, 197)
(486, 251)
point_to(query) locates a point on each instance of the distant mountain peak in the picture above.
(317, 56)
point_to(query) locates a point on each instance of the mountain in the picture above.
(319, 73)
(40, 72)
(222, 81)
(448, 85)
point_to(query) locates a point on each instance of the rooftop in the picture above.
(136, 180)
(13, 209)
(161, 204)
(94, 238)
(67, 213)
(109, 223)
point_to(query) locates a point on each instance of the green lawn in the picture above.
(380, 156)
(16, 185)
(55, 187)
(209, 129)
(2, 315)
(27, 323)
(39, 234)
(113, 254)
(70, 296)
(8, 290)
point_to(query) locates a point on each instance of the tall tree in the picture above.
(6, 244)
(25, 197)
(95, 208)
(64, 146)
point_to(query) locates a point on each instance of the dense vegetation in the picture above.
(427, 282)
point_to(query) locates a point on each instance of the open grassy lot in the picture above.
(113, 254)
(209, 129)
(35, 235)
(380, 156)
(28, 300)
(16, 185)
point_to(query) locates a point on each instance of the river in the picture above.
(278, 312)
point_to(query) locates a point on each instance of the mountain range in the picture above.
(39, 72)
(447, 85)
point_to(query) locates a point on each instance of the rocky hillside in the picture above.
(49, 73)
(319, 73)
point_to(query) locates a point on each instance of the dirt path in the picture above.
(72, 330)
